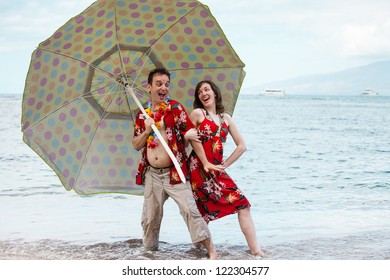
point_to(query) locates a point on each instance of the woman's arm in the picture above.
(238, 140)
(197, 117)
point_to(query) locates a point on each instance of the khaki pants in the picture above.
(157, 190)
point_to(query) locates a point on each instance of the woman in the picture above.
(215, 192)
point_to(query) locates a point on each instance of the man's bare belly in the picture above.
(157, 156)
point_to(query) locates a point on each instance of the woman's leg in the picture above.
(248, 228)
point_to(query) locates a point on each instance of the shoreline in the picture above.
(368, 246)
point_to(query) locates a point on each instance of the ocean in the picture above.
(317, 173)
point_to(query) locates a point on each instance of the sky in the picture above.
(276, 39)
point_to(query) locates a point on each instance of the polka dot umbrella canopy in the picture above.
(76, 114)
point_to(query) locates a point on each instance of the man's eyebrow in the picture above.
(159, 81)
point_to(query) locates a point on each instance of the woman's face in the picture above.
(206, 95)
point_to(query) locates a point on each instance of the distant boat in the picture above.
(273, 92)
(370, 92)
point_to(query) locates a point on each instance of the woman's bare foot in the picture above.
(259, 254)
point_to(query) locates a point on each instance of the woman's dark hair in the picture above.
(218, 97)
(161, 71)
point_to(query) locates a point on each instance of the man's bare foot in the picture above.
(213, 255)
(208, 244)
(198, 245)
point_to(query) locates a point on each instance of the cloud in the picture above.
(366, 39)
(30, 22)
(277, 39)
(354, 29)
(334, 24)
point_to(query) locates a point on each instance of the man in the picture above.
(156, 171)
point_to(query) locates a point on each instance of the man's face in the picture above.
(159, 89)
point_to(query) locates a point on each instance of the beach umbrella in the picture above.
(87, 81)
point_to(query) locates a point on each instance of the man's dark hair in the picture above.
(161, 71)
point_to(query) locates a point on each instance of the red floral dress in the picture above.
(216, 194)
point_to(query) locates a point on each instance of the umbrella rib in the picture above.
(102, 117)
(104, 72)
(149, 49)
(173, 24)
(87, 94)
(142, 66)
(122, 65)
(117, 43)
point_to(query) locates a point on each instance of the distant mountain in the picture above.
(352, 81)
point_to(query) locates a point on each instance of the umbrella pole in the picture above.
(155, 129)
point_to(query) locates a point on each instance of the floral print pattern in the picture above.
(216, 194)
(176, 123)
